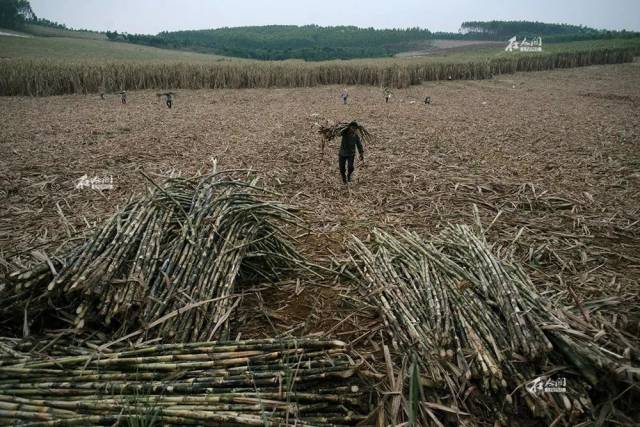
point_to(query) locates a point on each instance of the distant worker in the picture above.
(168, 98)
(427, 100)
(123, 96)
(344, 95)
(350, 141)
(102, 96)
(387, 94)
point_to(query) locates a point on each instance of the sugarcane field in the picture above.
(395, 228)
(511, 202)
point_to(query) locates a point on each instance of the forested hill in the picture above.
(310, 42)
(315, 43)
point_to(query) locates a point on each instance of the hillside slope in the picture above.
(278, 42)
(88, 49)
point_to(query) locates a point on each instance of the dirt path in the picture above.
(3, 33)
(446, 46)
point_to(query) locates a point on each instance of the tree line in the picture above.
(507, 29)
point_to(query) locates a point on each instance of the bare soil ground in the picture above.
(449, 46)
(549, 159)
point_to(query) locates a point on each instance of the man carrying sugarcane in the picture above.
(350, 142)
(387, 94)
(344, 95)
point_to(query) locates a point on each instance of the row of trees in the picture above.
(501, 30)
(47, 23)
(552, 33)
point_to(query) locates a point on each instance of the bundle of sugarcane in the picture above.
(286, 382)
(476, 322)
(167, 264)
(330, 132)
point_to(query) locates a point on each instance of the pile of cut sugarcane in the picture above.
(303, 382)
(165, 265)
(481, 332)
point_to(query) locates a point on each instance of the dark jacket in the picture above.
(350, 141)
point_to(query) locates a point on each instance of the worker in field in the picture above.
(169, 99)
(123, 96)
(387, 94)
(344, 95)
(350, 142)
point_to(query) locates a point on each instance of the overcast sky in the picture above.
(153, 16)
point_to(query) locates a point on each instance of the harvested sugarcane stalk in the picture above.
(480, 329)
(281, 382)
(330, 132)
(167, 264)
